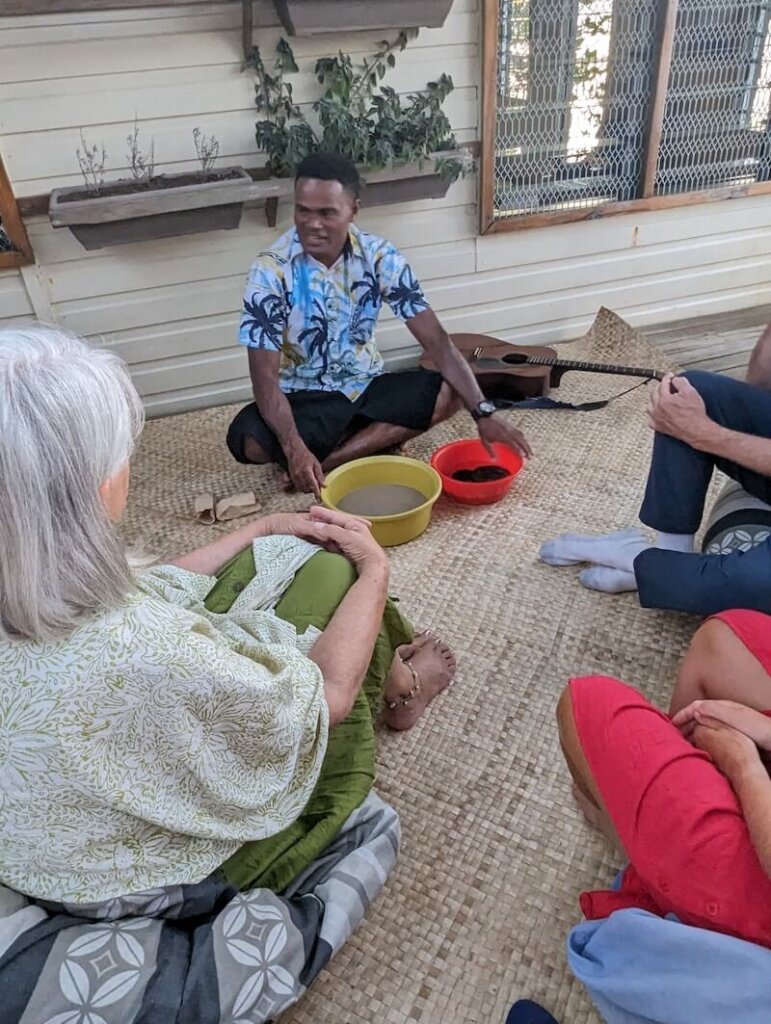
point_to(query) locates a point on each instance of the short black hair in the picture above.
(331, 167)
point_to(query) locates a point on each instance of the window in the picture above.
(15, 249)
(601, 106)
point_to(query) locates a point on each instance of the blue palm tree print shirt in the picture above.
(322, 319)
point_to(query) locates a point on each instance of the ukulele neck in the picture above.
(573, 364)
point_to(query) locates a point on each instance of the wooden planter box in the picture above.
(118, 216)
(315, 17)
(403, 184)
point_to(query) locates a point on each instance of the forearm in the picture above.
(752, 786)
(437, 344)
(277, 412)
(745, 450)
(457, 372)
(209, 559)
(344, 650)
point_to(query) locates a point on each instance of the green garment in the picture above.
(348, 771)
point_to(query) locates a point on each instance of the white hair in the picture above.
(69, 418)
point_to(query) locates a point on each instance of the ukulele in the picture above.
(514, 372)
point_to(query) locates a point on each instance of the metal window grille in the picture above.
(715, 129)
(6, 245)
(574, 92)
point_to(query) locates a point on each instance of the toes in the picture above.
(407, 651)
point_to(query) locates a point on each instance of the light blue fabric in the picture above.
(322, 319)
(643, 969)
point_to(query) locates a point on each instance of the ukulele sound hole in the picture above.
(515, 359)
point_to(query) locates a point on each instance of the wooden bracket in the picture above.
(247, 27)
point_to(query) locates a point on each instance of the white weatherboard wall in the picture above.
(14, 301)
(171, 307)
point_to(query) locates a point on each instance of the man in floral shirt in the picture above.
(312, 301)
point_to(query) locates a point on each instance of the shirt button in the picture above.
(712, 909)
(664, 887)
(238, 587)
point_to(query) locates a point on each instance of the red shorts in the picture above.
(676, 815)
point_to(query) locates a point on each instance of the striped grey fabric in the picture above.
(193, 954)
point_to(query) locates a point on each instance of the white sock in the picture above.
(677, 542)
(617, 550)
(610, 581)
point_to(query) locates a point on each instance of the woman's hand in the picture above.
(336, 531)
(733, 753)
(349, 536)
(291, 524)
(752, 724)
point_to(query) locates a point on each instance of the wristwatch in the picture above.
(484, 409)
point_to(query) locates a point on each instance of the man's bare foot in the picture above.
(434, 665)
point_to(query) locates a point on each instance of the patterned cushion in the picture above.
(738, 521)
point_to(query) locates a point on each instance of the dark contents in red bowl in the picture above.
(480, 474)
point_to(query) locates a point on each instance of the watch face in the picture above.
(486, 408)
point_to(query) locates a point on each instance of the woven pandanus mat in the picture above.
(494, 851)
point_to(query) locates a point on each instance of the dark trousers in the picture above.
(674, 503)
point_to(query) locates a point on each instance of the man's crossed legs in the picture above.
(394, 408)
(670, 575)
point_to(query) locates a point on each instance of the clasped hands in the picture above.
(332, 530)
(733, 735)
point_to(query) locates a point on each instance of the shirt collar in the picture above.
(352, 247)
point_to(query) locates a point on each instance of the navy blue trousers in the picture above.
(674, 503)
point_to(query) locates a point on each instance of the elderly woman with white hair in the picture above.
(171, 727)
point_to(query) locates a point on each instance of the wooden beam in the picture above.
(17, 7)
(612, 209)
(12, 222)
(664, 50)
(9, 260)
(488, 141)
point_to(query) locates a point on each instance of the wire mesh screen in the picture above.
(6, 245)
(715, 130)
(575, 85)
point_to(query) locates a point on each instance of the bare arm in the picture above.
(304, 469)
(744, 449)
(737, 756)
(437, 344)
(435, 341)
(208, 560)
(344, 650)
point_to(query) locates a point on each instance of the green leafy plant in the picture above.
(355, 115)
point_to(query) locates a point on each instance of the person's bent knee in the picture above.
(709, 638)
(703, 380)
(254, 452)
(448, 402)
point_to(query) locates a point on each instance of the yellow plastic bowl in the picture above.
(400, 527)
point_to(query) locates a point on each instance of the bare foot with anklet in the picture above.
(420, 671)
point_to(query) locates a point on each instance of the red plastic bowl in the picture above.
(468, 455)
